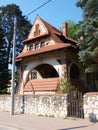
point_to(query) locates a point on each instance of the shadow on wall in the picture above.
(92, 118)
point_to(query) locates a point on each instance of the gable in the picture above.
(37, 29)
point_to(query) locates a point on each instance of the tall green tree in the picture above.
(4, 76)
(73, 29)
(88, 32)
(7, 14)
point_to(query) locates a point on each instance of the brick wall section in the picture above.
(52, 106)
(91, 105)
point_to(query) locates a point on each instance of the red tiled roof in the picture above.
(61, 42)
(50, 27)
(54, 30)
(47, 84)
(53, 33)
(45, 34)
(43, 49)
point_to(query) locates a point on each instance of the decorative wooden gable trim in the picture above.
(37, 29)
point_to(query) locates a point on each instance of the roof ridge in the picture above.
(48, 25)
(57, 31)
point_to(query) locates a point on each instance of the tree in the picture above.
(72, 29)
(88, 32)
(4, 77)
(7, 14)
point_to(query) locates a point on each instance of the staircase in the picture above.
(48, 84)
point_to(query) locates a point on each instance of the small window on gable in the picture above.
(37, 30)
(42, 44)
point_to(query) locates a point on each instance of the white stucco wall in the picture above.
(50, 61)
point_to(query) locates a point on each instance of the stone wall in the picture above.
(52, 106)
(5, 103)
(91, 106)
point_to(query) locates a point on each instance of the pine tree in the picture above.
(7, 14)
(3, 66)
(88, 32)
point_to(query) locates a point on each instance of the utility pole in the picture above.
(13, 69)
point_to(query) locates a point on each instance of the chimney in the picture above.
(64, 29)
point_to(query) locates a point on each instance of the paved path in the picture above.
(3, 127)
(31, 122)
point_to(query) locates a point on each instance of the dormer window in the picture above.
(37, 30)
(36, 46)
(42, 44)
(31, 47)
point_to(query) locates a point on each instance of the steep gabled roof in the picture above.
(61, 41)
(56, 34)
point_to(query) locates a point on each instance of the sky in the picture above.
(54, 12)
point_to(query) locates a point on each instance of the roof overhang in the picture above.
(34, 38)
(45, 49)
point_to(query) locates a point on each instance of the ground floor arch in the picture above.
(41, 78)
(77, 76)
(45, 71)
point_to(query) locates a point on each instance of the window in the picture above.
(36, 46)
(42, 44)
(34, 75)
(37, 30)
(31, 47)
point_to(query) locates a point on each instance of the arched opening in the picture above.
(42, 71)
(74, 72)
(42, 78)
(46, 71)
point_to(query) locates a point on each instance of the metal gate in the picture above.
(75, 104)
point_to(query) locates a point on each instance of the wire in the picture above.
(38, 8)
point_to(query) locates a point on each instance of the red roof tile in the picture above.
(48, 84)
(53, 32)
(36, 37)
(61, 42)
(43, 49)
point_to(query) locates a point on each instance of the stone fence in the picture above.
(90, 102)
(52, 105)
